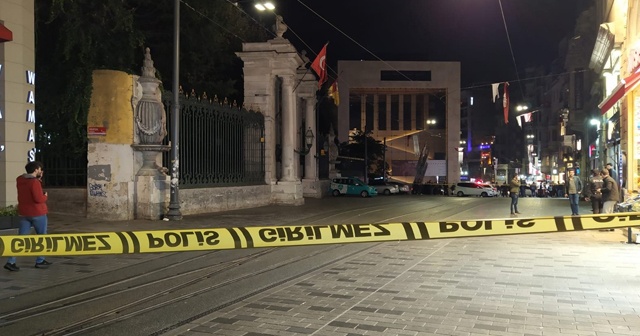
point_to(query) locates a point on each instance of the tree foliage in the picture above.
(75, 37)
(356, 149)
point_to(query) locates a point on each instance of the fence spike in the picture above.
(180, 91)
(235, 104)
(215, 98)
(204, 96)
(225, 102)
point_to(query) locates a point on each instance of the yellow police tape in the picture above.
(279, 236)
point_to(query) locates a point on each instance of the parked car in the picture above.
(473, 189)
(385, 188)
(495, 189)
(403, 188)
(351, 186)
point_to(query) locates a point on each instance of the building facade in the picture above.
(406, 104)
(17, 94)
(616, 60)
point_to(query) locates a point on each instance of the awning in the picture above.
(627, 85)
(5, 34)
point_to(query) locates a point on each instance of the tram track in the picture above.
(186, 280)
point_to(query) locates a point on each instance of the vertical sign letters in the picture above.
(31, 115)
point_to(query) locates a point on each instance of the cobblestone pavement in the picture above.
(580, 283)
(576, 283)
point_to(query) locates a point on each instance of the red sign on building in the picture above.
(95, 130)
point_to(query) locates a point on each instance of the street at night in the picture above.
(572, 283)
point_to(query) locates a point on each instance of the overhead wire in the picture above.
(353, 40)
(513, 57)
(311, 50)
(250, 17)
(212, 21)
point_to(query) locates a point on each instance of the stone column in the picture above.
(310, 161)
(290, 136)
(111, 164)
(375, 126)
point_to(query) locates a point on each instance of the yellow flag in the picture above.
(333, 93)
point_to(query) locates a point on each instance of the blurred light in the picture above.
(262, 6)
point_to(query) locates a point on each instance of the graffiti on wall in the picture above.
(97, 190)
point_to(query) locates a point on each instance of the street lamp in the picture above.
(174, 200)
(266, 5)
(308, 140)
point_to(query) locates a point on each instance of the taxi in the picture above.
(351, 186)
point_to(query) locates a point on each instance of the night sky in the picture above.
(469, 31)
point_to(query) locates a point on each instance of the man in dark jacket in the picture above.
(32, 208)
(610, 192)
(573, 189)
(592, 194)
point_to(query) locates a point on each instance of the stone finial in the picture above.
(147, 68)
(149, 114)
(281, 27)
(305, 58)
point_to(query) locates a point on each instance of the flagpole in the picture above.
(300, 81)
(306, 72)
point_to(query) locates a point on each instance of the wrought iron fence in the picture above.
(220, 144)
(63, 170)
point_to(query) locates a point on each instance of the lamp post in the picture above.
(264, 5)
(174, 201)
(308, 141)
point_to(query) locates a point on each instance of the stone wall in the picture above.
(68, 201)
(73, 201)
(208, 200)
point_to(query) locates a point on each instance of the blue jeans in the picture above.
(39, 223)
(573, 200)
(514, 202)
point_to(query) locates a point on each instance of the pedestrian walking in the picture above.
(32, 208)
(592, 193)
(610, 192)
(573, 189)
(514, 190)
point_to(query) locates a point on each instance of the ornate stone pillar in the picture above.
(290, 135)
(150, 130)
(263, 62)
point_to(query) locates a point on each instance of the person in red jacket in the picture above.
(32, 208)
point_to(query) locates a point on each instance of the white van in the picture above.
(473, 189)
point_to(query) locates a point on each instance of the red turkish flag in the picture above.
(505, 102)
(319, 65)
